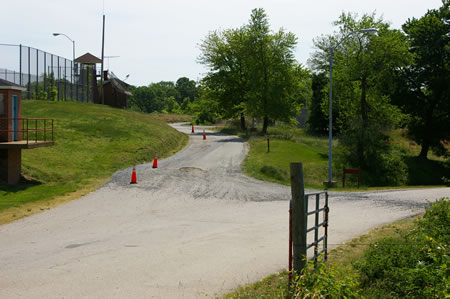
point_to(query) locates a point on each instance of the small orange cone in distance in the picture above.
(192, 128)
(204, 135)
(172, 122)
(133, 175)
(155, 161)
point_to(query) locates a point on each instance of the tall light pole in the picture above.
(370, 31)
(73, 59)
(73, 44)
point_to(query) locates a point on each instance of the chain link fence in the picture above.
(47, 76)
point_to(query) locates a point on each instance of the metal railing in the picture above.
(32, 130)
(324, 238)
(318, 224)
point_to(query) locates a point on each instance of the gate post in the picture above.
(299, 218)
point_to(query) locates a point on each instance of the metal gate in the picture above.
(318, 230)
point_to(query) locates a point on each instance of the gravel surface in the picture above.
(193, 227)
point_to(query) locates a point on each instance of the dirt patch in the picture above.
(192, 169)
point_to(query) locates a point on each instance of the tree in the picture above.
(362, 66)
(186, 89)
(225, 54)
(423, 89)
(253, 71)
(317, 121)
(158, 97)
(272, 71)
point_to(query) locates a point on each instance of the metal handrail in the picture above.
(40, 125)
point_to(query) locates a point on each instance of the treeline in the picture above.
(395, 78)
(165, 96)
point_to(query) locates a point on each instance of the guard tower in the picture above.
(17, 133)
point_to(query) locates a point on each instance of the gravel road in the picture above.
(193, 227)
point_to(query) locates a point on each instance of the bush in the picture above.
(326, 281)
(414, 265)
(370, 149)
(276, 173)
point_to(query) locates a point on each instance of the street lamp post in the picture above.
(73, 59)
(330, 182)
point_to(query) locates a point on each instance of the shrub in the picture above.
(275, 173)
(414, 265)
(371, 150)
(326, 281)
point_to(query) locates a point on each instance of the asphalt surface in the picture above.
(193, 227)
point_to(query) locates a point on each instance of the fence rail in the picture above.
(47, 76)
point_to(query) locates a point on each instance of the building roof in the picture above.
(88, 58)
(118, 84)
(4, 84)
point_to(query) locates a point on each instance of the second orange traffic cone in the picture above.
(155, 161)
(204, 135)
(133, 175)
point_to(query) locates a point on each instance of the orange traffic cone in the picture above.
(172, 122)
(155, 161)
(192, 128)
(204, 135)
(133, 175)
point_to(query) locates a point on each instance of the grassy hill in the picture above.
(92, 142)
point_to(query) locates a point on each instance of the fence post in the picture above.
(299, 218)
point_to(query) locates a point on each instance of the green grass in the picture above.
(274, 165)
(289, 144)
(286, 145)
(92, 142)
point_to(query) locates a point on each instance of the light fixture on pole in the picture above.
(73, 44)
(73, 58)
(370, 31)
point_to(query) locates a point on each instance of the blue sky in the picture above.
(158, 40)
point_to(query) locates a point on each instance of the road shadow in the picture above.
(237, 139)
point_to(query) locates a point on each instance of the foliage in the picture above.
(426, 171)
(414, 266)
(325, 281)
(380, 164)
(253, 71)
(317, 121)
(187, 89)
(422, 89)
(362, 111)
(204, 108)
(164, 96)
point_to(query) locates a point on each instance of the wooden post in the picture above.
(299, 219)
(268, 145)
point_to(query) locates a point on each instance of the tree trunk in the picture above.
(364, 108)
(365, 122)
(424, 151)
(243, 126)
(265, 125)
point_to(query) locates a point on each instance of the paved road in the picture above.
(194, 227)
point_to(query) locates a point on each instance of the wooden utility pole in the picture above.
(103, 61)
(299, 217)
